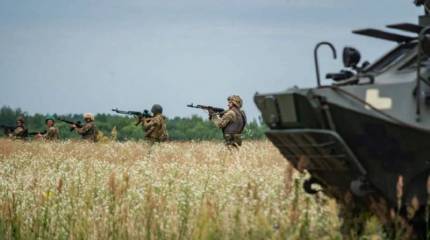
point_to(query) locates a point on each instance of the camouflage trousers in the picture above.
(233, 140)
(153, 140)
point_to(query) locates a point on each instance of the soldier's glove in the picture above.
(38, 136)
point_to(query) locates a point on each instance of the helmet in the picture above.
(236, 100)
(20, 119)
(156, 108)
(89, 116)
(49, 118)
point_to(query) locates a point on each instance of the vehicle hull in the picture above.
(351, 150)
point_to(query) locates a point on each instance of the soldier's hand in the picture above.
(211, 113)
(38, 136)
(73, 126)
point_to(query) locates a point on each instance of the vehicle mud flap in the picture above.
(323, 153)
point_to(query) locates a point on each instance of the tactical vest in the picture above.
(20, 133)
(236, 126)
(91, 134)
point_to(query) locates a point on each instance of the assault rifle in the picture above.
(7, 129)
(139, 115)
(77, 123)
(36, 133)
(145, 113)
(208, 108)
(10, 129)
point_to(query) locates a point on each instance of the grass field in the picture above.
(178, 190)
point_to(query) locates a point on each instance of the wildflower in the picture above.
(399, 191)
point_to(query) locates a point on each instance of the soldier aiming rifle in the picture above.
(51, 133)
(88, 130)
(232, 121)
(153, 125)
(16, 132)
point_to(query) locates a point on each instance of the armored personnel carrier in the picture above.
(365, 137)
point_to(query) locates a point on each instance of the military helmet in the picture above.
(20, 119)
(236, 100)
(89, 116)
(49, 118)
(156, 108)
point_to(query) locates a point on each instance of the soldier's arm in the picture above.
(150, 125)
(151, 122)
(83, 129)
(139, 121)
(18, 131)
(222, 122)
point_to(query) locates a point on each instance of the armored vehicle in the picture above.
(365, 137)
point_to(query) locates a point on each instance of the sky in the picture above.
(62, 56)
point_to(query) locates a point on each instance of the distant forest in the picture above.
(122, 127)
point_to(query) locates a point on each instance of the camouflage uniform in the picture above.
(155, 127)
(20, 132)
(232, 122)
(52, 133)
(89, 130)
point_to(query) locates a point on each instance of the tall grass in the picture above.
(132, 190)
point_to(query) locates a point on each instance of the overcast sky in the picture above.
(62, 56)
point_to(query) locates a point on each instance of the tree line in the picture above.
(123, 128)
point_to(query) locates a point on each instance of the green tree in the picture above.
(179, 128)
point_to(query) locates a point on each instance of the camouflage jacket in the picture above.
(155, 128)
(88, 131)
(19, 133)
(232, 121)
(51, 134)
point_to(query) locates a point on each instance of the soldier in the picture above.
(20, 132)
(155, 126)
(52, 133)
(88, 131)
(232, 121)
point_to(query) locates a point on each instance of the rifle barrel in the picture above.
(7, 127)
(204, 107)
(35, 133)
(135, 113)
(145, 113)
(120, 111)
(78, 123)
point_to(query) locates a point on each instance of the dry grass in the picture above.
(131, 190)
